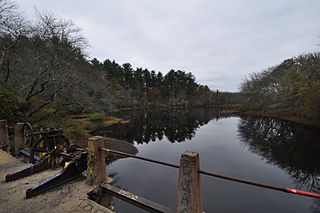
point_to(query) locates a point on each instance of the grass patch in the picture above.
(109, 120)
(77, 127)
(96, 116)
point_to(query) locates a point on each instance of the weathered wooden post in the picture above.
(18, 137)
(96, 163)
(189, 188)
(4, 138)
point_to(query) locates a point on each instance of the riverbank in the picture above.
(77, 128)
(269, 114)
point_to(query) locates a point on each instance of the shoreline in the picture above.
(296, 120)
(234, 109)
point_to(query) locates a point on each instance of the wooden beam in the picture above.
(189, 189)
(18, 137)
(135, 199)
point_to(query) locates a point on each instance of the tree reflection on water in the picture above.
(294, 148)
(148, 125)
(291, 147)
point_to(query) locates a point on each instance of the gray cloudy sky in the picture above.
(219, 41)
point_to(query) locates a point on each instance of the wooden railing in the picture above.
(18, 142)
(189, 196)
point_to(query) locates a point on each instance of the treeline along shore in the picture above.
(46, 71)
(46, 75)
(290, 90)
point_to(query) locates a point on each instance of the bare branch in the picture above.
(35, 83)
(42, 89)
(12, 23)
(52, 28)
(52, 96)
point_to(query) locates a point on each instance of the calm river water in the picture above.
(260, 149)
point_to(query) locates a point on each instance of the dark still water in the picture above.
(260, 149)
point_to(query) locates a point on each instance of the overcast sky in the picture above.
(220, 42)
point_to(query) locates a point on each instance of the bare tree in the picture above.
(46, 66)
(6, 9)
(56, 60)
(40, 62)
(13, 27)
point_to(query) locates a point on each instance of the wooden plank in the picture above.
(135, 199)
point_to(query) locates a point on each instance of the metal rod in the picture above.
(253, 183)
(225, 177)
(141, 158)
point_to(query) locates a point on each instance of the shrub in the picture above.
(96, 116)
(75, 130)
(9, 104)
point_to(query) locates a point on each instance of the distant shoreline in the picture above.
(297, 120)
(234, 109)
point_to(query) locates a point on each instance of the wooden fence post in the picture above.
(189, 188)
(18, 137)
(96, 164)
(4, 138)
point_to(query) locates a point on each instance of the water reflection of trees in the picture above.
(148, 125)
(292, 147)
(316, 207)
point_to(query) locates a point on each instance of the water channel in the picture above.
(260, 149)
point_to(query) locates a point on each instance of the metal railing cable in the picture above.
(141, 158)
(225, 177)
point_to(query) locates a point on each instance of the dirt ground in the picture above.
(69, 198)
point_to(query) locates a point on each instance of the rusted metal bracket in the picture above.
(72, 171)
(129, 197)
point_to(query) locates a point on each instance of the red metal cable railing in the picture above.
(225, 177)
